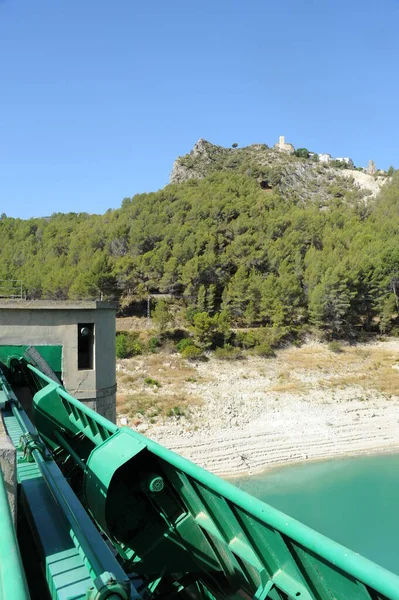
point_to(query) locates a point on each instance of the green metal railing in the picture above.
(13, 584)
(273, 555)
(80, 562)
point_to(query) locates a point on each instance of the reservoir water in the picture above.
(354, 501)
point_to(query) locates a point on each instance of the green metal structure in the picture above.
(112, 514)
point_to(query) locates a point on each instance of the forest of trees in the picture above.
(225, 245)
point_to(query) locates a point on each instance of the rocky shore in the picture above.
(306, 404)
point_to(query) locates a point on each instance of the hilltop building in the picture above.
(325, 158)
(283, 146)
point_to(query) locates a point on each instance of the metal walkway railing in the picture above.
(264, 552)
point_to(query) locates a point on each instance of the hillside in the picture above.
(296, 178)
(261, 237)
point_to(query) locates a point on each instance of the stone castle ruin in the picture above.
(282, 146)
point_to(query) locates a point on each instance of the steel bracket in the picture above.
(283, 583)
(106, 586)
(30, 442)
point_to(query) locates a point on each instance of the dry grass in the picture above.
(131, 324)
(168, 369)
(128, 379)
(375, 372)
(294, 371)
(140, 406)
(139, 400)
(287, 382)
(293, 387)
(310, 358)
(120, 402)
(370, 367)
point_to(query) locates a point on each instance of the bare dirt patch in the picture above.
(305, 403)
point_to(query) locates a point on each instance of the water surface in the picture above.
(354, 501)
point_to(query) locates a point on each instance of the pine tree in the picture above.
(162, 315)
(201, 298)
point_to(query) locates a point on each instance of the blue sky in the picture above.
(98, 98)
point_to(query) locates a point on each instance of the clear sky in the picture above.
(97, 98)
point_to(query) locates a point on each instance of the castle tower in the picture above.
(283, 146)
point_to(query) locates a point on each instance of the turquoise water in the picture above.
(354, 501)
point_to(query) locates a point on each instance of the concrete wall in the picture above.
(8, 466)
(56, 323)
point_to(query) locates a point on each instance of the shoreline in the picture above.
(226, 462)
(382, 451)
(307, 404)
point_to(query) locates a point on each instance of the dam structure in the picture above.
(93, 511)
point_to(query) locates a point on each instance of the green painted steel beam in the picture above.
(349, 562)
(217, 525)
(13, 584)
(78, 562)
(52, 354)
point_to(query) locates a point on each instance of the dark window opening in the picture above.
(85, 345)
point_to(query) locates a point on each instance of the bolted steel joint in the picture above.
(106, 586)
(30, 442)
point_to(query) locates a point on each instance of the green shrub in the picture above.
(271, 175)
(273, 336)
(228, 352)
(184, 343)
(121, 346)
(162, 315)
(265, 350)
(335, 346)
(211, 331)
(191, 353)
(127, 345)
(190, 314)
(151, 381)
(302, 153)
(247, 339)
(135, 347)
(153, 344)
(176, 411)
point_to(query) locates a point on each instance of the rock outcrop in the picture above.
(371, 168)
(298, 178)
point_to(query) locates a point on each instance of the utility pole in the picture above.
(148, 311)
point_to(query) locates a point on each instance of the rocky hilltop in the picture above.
(302, 178)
